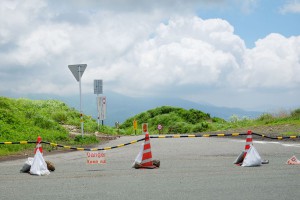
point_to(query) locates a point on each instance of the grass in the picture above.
(178, 120)
(25, 120)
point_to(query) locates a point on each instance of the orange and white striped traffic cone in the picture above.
(239, 160)
(255, 159)
(147, 155)
(38, 145)
(248, 142)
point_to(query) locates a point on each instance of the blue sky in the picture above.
(233, 53)
(258, 19)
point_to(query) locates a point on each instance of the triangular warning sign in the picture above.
(77, 69)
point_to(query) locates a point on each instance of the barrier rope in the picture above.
(152, 136)
(94, 149)
(277, 137)
(20, 142)
(204, 135)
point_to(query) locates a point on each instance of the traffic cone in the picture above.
(38, 145)
(239, 160)
(144, 158)
(253, 159)
(248, 142)
(293, 161)
(147, 155)
(39, 166)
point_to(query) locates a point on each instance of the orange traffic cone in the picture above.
(144, 158)
(293, 161)
(248, 142)
(38, 145)
(147, 155)
(255, 159)
(239, 160)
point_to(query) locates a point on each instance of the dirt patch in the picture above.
(273, 130)
(74, 131)
(268, 130)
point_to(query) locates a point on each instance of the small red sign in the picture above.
(145, 127)
(159, 127)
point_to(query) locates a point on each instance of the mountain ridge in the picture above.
(121, 107)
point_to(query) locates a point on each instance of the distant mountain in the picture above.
(121, 107)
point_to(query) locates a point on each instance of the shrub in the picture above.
(193, 116)
(200, 127)
(180, 127)
(296, 113)
(8, 117)
(43, 122)
(266, 118)
(60, 117)
(86, 139)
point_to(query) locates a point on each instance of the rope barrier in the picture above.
(95, 149)
(204, 135)
(277, 137)
(152, 136)
(20, 142)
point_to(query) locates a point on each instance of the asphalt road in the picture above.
(191, 168)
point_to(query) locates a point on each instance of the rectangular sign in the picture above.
(101, 108)
(95, 158)
(135, 124)
(98, 86)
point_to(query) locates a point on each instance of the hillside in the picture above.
(174, 120)
(179, 120)
(121, 107)
(25, 120)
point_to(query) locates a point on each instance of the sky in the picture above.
(231, 53)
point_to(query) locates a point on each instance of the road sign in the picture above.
(145, 128)
(102, 108)
(159, 127)
(98, 86)
(77, 70)
(134, 124)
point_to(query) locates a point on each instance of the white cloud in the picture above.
(145, 52)
(291, 7)
(18, 17)
(272, 63)
(185, 51)
(45, 42)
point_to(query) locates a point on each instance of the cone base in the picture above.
(156, 164)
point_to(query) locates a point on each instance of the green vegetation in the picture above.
(178, 120)
(173, 120)
(24, 120)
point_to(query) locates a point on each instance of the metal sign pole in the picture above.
(81, 115)
(98, 110)
(77, 70)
